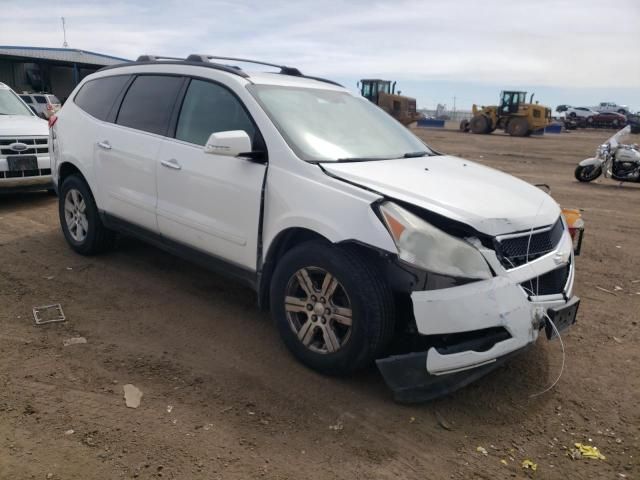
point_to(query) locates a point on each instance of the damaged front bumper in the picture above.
(488, 321)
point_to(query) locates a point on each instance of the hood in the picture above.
(488, 200)
(23, 126)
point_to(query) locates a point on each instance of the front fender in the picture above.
(590, 161)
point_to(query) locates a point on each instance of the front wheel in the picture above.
(333, 309)
(587, 173)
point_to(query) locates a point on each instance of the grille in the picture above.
(37, 146)
(512, 252)
(548, 284)
(26, 173)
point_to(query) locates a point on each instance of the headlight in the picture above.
(427, 247)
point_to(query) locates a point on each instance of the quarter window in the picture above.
(148, 103)
(209, 108)
(97, 97)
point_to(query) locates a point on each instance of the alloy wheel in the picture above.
(318, 310)
(75, 215)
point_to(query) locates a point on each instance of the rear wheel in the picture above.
(80, 219)
(587, 173)
(518, 127)
(480, 124)
(332, 307)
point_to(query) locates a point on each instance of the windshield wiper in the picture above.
(393, 157)
(415, 154)
(363, 159)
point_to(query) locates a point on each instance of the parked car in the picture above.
(579, 112)
(44, 104)
(604, 107)
(607, 119)
(24, 152)
(352, 231)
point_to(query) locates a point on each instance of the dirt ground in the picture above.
(223, 399)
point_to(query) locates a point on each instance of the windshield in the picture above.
(328, 125)
(10, 104)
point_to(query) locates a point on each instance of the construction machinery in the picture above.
(382, 93)
(514, 115)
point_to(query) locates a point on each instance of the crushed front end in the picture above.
(468, 328)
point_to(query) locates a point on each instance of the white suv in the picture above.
(365, 243)
(24, 149)
(43, 104)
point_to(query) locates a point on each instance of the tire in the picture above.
(572, 115)
(360, 290)
(480, 124)
(587, 173)
(464, 126)
(80, 220)
(518, 127)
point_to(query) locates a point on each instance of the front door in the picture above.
(210, 202)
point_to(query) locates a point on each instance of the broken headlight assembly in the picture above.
(424, 246)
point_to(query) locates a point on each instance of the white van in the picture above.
(365, 243)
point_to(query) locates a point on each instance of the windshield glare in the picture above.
(10, 104)
(328, 125)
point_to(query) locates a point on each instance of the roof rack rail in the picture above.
(155, 58)
(283, 69)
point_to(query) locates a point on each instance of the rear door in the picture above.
(126, 150)
(207, 201)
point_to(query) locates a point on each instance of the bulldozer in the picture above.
(514, 115)
(382, 93)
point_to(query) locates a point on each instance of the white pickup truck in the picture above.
(611, 107)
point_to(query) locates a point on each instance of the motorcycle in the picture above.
(617, 160)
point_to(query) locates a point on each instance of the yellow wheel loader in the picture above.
(382, 93)
(514, 115)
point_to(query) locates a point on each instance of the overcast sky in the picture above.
(578, 52)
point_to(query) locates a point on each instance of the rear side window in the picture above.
(97, 97)
(40, 98)
(210, 108)
(26, 98)
(149, 102)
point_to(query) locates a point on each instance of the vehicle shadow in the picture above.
(613, 185)
(25, 200)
